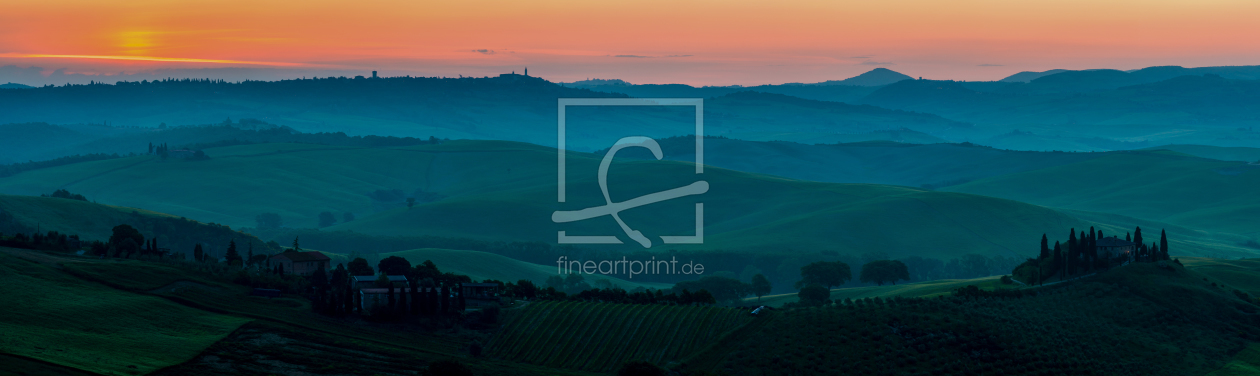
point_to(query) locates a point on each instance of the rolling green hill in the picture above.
(93, 221)
(1240, 154)
(507, 191)
(1170, 187)
(74, 323)
(875, 162)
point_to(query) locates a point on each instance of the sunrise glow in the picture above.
(695, 42)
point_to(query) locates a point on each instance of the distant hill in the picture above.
(15, 86)
(1026, 76)
(516, 108)
(42, 141)
(875, 77)
(595, 82)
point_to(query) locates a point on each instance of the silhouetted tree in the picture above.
(359, 267)
(827, 274)
(1045, 247)
(232, 257)
(884, 271)
(760, 286)
(813, 294)
(327, 219)
(1163, 245)
(394, 265)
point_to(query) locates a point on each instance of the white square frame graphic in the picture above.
(563, 103)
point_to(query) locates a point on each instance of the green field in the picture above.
(506, 191)
(602, 336)
(64, 320)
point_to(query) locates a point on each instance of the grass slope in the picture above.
(507, 191)
(71, 322)
(88, 220)
(1152, 185)
(875, 162)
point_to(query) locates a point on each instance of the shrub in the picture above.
(641, 368)
(446, 368)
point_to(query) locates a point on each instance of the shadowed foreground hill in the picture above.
(507, 191)
(1142, 319)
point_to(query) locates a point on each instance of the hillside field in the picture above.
(504, 191)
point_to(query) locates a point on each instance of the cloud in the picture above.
(159, 59)
(876, 63)
(860, 57)
(484, 51)
(648, 57)
(989, 65)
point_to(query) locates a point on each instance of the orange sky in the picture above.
(693, 42)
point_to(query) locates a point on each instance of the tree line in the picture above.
(1080, 255)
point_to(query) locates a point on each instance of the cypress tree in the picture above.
(445, 300)
(1137, 237)
(392, 303)
(1163, 244)
(463, 304)
(415, 297)
(402, 302)
(1045, 248)
(1058, 257)
(349, 303)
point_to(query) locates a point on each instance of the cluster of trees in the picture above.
(1079, 256)
(818, 278)
(62, 193)
(52, 241)
(779, 270)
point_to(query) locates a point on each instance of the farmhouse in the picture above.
(1112, 246)
(369, 281)
(372, 297)
(477, 294)
(301, 263)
